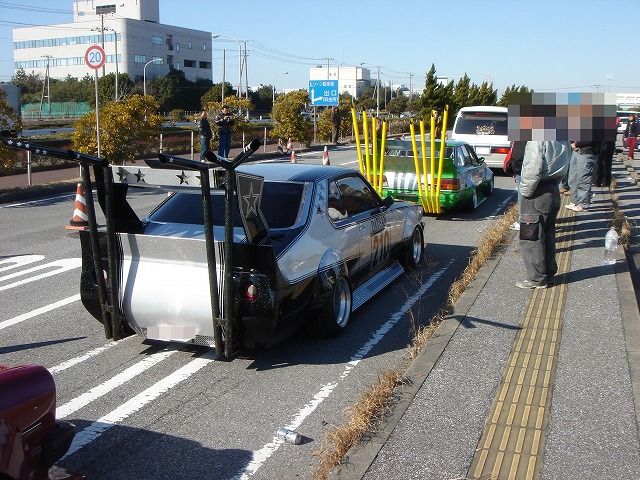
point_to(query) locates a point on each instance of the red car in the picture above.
(31, 439)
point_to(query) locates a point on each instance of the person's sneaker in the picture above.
(575, 208)
(515, 226)
(570, 206)
(529, 285)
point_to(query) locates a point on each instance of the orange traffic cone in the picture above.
(325, 157)
(79, 221)
(294, 158)
(289, 144)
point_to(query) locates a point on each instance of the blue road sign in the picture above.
(323, 93)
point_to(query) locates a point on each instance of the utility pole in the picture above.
(246, 76)
(102, 34)
(115, 39)
(410, 86)
(378, 93)
(224, 62)
(47, 85)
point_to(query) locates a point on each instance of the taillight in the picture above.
(504, 150)
(249, 291)
(449, 184)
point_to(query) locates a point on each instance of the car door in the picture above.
(374, 229)
(477, 169)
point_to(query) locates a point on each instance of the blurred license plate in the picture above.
(483, 150)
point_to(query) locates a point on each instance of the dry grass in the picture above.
(363, 417)
(620, 222)
(367, 412)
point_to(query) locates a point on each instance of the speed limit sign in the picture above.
(94, 57)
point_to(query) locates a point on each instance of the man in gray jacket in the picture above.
(544, 165)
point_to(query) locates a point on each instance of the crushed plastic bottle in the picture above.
(610, 246)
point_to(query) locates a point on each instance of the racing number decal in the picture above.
(380, 241)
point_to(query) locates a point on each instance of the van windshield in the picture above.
(482, 123)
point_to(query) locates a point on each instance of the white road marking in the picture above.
(121, 378)
(500, 208)
(30, 202)
(86, 356)
(349, 163)
(262, 455)
(19, 261)
(130, 407)
(38, 311)
(61, 266)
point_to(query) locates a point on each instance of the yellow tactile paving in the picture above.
(512, 443)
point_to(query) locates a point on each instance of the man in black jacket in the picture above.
(205, 134)
(224, 122)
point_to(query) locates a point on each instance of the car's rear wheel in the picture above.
(334, 315)
(414, 251)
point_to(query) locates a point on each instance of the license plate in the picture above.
(483, 150)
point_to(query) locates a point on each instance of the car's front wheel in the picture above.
(334, 315)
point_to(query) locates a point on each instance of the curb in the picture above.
(360, 457)
(37, 191)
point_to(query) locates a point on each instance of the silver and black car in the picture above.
(330, 243)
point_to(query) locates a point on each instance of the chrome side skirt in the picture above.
(371, 287)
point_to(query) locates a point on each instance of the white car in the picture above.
(485, 129)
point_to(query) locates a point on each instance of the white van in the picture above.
(485, 129)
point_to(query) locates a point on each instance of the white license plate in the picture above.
(483, 150)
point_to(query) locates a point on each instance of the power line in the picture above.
(28, 8)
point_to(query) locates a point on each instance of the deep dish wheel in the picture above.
(414, 251)
(334, 316)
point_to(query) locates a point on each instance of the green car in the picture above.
(466, 180)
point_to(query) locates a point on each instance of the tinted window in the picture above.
(357, 195)
(280, 206)
(482, 123)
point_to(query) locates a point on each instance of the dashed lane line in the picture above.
(60, 266)
(113, 418)
(118, 380)
(39, 311)
(86, 356)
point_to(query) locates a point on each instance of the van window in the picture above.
(481, 123)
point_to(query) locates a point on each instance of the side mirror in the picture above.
(481, 159)
(387, 202)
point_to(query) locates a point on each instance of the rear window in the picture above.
(280, 206)
(482, 123)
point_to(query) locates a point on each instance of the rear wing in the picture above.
(112, 183)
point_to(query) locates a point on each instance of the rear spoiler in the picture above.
(121, 217)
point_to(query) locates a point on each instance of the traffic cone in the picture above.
(325, 157)
(294, 158)
(79, 221)
(289, 144)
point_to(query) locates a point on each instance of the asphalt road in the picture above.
(153, 411)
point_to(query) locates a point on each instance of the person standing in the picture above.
(513, 166)
(584, 161)
(602, 177)
(543, 167)
(224, 121)
(335, 124)
(205, 134)
(631, 135)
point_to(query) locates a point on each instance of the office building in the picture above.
(353, 80)
(132, 28)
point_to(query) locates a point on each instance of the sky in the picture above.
(561, 45)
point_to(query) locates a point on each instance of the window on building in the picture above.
(189, 64)
(204, 46)
(157, 40)
(139, 58)
(205, 65)
(177, 47)
(178, 66)
(189, 44)
(158, 60)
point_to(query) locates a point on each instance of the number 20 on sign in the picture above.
(94, 57)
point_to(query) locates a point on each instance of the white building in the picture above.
(353, 80)
(131, 26)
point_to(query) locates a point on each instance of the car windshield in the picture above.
(482, 123)
(280, 206)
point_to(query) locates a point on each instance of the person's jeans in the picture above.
(632, 142)
(580, 177)
(225, 145)
(538, 215)
(204, 146)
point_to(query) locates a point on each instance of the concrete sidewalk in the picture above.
(526, 384)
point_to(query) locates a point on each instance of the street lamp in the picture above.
(273, 88)
(216, 35)
(144, 74)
